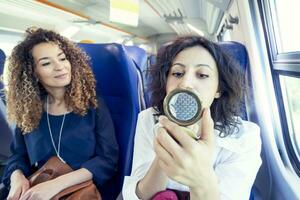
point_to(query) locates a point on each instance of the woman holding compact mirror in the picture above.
(223, 160)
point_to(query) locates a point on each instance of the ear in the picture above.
(218, 94)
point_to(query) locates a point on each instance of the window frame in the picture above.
(286, 64)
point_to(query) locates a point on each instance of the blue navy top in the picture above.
(86, 142)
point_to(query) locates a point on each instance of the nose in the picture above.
(57, 65)
(186, 82)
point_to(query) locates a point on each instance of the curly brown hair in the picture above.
(231, 82)
(25, 95)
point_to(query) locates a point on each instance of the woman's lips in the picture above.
(61, 76)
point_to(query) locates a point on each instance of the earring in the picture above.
(218, 94)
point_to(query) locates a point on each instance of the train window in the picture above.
(8, 39)
(291, 96)
(286, 34)
(284, 55)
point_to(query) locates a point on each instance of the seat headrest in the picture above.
(237, 51)
(138, 55)
(107, 61)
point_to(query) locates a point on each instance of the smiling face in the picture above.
(51, 66)
(194, 68)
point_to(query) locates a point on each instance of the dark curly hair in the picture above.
(231, 83)
(25, 95)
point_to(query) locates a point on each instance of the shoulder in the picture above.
(246, 137)
(147, 115)
(101, 105)
(247, 129)
(102, 111)
(100, 101)
(146, 120)
(144, 132)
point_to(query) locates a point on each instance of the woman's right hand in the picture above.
(18, 185)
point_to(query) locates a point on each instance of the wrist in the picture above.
(60, 180)
(57, 185)
(145, 188)
(159, 171)
(209, 190)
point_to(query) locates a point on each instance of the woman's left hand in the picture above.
(184, 159)
(49, 189)
(42, 191)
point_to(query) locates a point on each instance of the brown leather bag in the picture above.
(53, 168)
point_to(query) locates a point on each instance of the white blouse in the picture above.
(236, 159)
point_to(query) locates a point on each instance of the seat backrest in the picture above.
(151, 60)
(143, 63)
(238, 52)
(6, 132)
(117, 82)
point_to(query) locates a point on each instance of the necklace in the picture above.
(57, 150)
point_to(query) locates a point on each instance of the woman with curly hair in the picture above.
(223, 163)
(52, 100)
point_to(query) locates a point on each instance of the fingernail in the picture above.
(161, 118)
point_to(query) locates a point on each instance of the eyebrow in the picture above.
(45, 58)
(198, 65)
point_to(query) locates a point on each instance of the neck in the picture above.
(57, 96)
(56, 102)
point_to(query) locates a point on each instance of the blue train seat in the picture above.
(6, 131)
(150, 62)
(117, 82)
(2, 61)
(239, 54)
(6, 134)
(139, 57)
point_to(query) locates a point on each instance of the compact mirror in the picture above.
(183, 107)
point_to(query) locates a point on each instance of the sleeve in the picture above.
(18, 160)
(104, 164)
(143, 156)
(237, 173)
